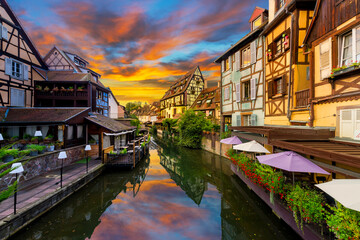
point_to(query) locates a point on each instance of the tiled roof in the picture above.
(108, 123)
(147, 110)
(39, 115)
(71, 76)
(211, 95)
(180, 85)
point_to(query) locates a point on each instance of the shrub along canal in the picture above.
(175, 193)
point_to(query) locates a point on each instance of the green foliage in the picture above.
(14, 138)
(190, 128)
(130, 106)
(143, 144)
(34, 138)
(9, 152)
(50, 136)
(225, 134)
(27, 136)
(136, 123)
(112, 153)
(344, 222)
(306, 204)
(35, 147)
(153, 130)
(92, 141)
(24, 153)
(124, 151)
(169, 124)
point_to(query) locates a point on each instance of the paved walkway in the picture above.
(40, 186)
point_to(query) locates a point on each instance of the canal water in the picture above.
(175, 193)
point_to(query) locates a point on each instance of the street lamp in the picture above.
(87, 149)
(18, 168)
(38, 134)
(62, 156)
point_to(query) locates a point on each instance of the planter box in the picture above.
(34, 153)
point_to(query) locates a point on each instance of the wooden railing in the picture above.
(302, 98)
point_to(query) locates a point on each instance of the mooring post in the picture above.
(134, 154)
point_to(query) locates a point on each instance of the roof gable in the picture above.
(28, 52)
(256, 13)
(56, 59)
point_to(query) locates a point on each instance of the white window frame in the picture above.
(355, 53)
(248, 51)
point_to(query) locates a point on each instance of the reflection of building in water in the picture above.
(194, 186)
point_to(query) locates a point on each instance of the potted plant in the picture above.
(14, 139)
(38, 87)
(62, 89)
(123, 152)
(34, 140)
(50, 148)
(58, 145)
(9, 155)
(49, 138)
(35, 149)
(80, 88)
(55, 89)
(70, 89)
(46, 89)
(24, 153)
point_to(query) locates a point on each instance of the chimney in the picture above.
(206, 84)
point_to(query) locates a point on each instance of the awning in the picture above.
(119, 134)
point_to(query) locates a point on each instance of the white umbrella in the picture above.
(345, 191)
(252, 146)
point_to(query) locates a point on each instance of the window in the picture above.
(246, 120)
(246, 91)
(174, 111)
(17, 97)
(350, 47)
(76, 61)
(278, 86)
(245, 57)
(349, 123)
(256, 23)
(227, 64)
(80, 131)
(227, 93)
(99, 95)
(16, 69)
(70, 133)
(279, 46)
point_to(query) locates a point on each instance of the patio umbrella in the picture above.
(345, 191)
(231, 140)
(252, 146)
(291, 162)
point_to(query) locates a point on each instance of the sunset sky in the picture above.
(139, 47)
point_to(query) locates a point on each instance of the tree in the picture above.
(130, 106)
(190, 127)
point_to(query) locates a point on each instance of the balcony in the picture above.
(302, 98)
(61, 91)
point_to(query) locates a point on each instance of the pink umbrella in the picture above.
(291, 162)
(231, 140)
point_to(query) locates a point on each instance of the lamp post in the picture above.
(18, 168)
(38, 134)
(62, 156)
(87, 149)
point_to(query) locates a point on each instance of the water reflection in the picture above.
(176, 194)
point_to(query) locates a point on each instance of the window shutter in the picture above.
(253, 52)
(222, 66)
(238, 120)
(238, 97)
(253, 120)
(26, 72)
(270, 89)
(253, 88)
(230, 64)
(4, 33)
(8, 66)
(237, 60)
(325, 59)
(283, 85)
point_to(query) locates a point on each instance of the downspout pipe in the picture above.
(291, 62)
(221, 106)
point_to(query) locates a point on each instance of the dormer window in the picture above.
(76, 61)
(95, 78)
(256, 23)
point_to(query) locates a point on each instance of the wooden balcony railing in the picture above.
(302, 98)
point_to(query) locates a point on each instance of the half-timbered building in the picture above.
(208, 102)
(242, 76)
(19, 61)
(182, 94)
(70, 83)
(287, 65)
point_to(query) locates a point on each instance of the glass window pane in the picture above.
(346, 115)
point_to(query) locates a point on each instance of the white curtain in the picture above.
(80, 131)
(70, 132)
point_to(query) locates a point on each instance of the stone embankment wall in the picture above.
(35, 166)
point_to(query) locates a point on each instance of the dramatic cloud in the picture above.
(139, 47)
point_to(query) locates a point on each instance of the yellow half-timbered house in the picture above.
(182, 94)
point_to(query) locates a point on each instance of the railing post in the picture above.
(134, 155)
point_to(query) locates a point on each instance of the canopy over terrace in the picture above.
(109, 132)
(67, 125)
